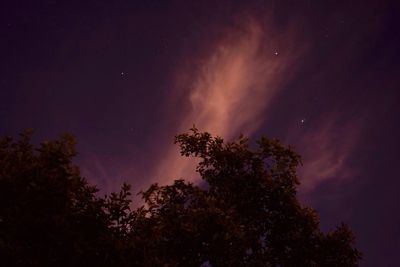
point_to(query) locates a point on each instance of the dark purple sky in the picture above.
(126, 77)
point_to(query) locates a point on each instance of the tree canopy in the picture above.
(244, 213)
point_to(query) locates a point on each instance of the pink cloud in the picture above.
(232, 88)
(326, 149)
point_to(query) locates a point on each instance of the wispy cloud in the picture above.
(231, 90)
(326, 150)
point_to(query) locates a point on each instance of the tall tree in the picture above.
(245, 214)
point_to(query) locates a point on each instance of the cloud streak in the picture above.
(231, 89)
(326, 150)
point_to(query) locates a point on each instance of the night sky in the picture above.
(126, 76)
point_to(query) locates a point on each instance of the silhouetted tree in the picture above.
(49, 215)
(248, 215)
(244, 214)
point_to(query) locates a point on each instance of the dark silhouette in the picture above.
(246, 214)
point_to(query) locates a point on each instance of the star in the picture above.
(303, 121)
(276, 53)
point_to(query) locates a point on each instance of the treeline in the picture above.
(246, 215)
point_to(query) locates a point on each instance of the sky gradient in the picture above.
(126, 77)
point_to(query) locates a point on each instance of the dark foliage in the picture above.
(246, 215)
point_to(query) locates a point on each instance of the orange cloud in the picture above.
(230, 91)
